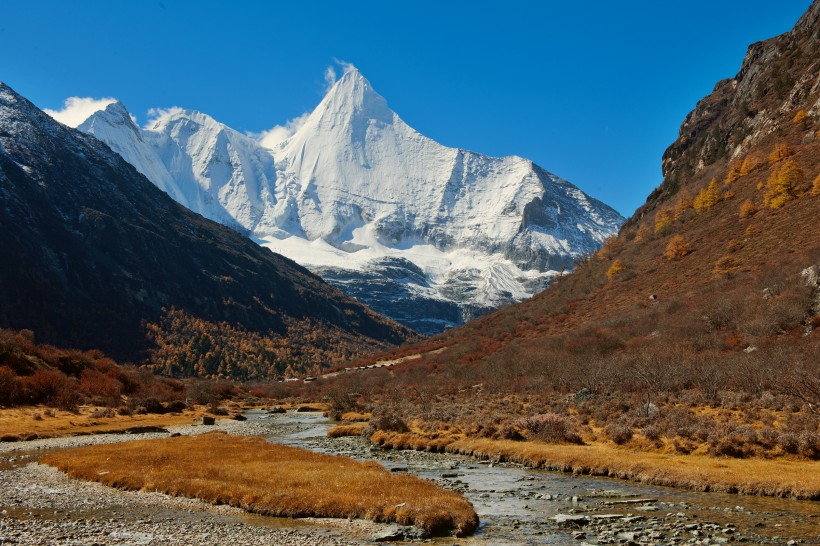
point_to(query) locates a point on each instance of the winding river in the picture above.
(519, 505)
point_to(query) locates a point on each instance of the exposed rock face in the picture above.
(777, 77)
(355, 185)
(91, 250)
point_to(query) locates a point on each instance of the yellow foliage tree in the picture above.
(682, 204)
(707, 197)
(677, 248)
(615, 269)
(747, 209)
(815, 186)
(663, 218)
(611, 246)
(800, 116)
(783, 185)
(643, 231)
(726, 265)
(780, 152)
(733, 173)
(748, 165)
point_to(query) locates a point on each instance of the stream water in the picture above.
(517, 505)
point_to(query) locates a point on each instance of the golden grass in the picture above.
(311, 406)
(354, 429)
(781, 477)
(412, 440)
(34, 422)
(356, 416)
(270, 479)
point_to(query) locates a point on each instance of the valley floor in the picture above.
(40, 505)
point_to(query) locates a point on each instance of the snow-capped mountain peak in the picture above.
(352, 98)
(360, 196)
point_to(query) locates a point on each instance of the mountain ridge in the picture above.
(354, 186)
(99, 251)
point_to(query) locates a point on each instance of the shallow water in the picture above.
(516, 505)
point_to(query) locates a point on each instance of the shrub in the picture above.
(615, 269)
(619, 433)
(215, 409)
(643, 231)
(749, 164)
(209, 392)
(550, 427)
(506, 432)
(733, 173)
(682, 204)
(810, 445)
(341, 401)
(789, 442)
(800, 116)
(783, 185)
(104, 386)
(729, 446)
(651, 432)
(52, 387)
(780, 152)
(103, 412)
(10, 388)
(677, 248)
(747, 209)
(386, 419)
(176, 406)
(725, 265)
(734, 245)
(663, 218)
(708, 197)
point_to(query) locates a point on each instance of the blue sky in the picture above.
(591, 91)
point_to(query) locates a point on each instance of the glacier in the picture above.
(428, 235)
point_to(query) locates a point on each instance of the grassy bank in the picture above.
(275, 480)
(354, 429)
(782, 477)
(29, 423)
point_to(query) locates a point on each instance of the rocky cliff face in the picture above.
(777, 78)
(92, 251)
(355, 185)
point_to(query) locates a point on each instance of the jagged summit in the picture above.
(356, 193)
(110, 124)
(352, 98)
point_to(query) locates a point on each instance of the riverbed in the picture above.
(39, 505)
(520, 506)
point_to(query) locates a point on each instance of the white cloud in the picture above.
(330, 72)
(155, 114)
(346, 66)
(78, 109)
(271, 138)
(330, 78)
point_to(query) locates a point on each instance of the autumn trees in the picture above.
(783, 184)
(188, 346)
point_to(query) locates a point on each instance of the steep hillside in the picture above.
(95, 256)
(695, 330)
(714, 258)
